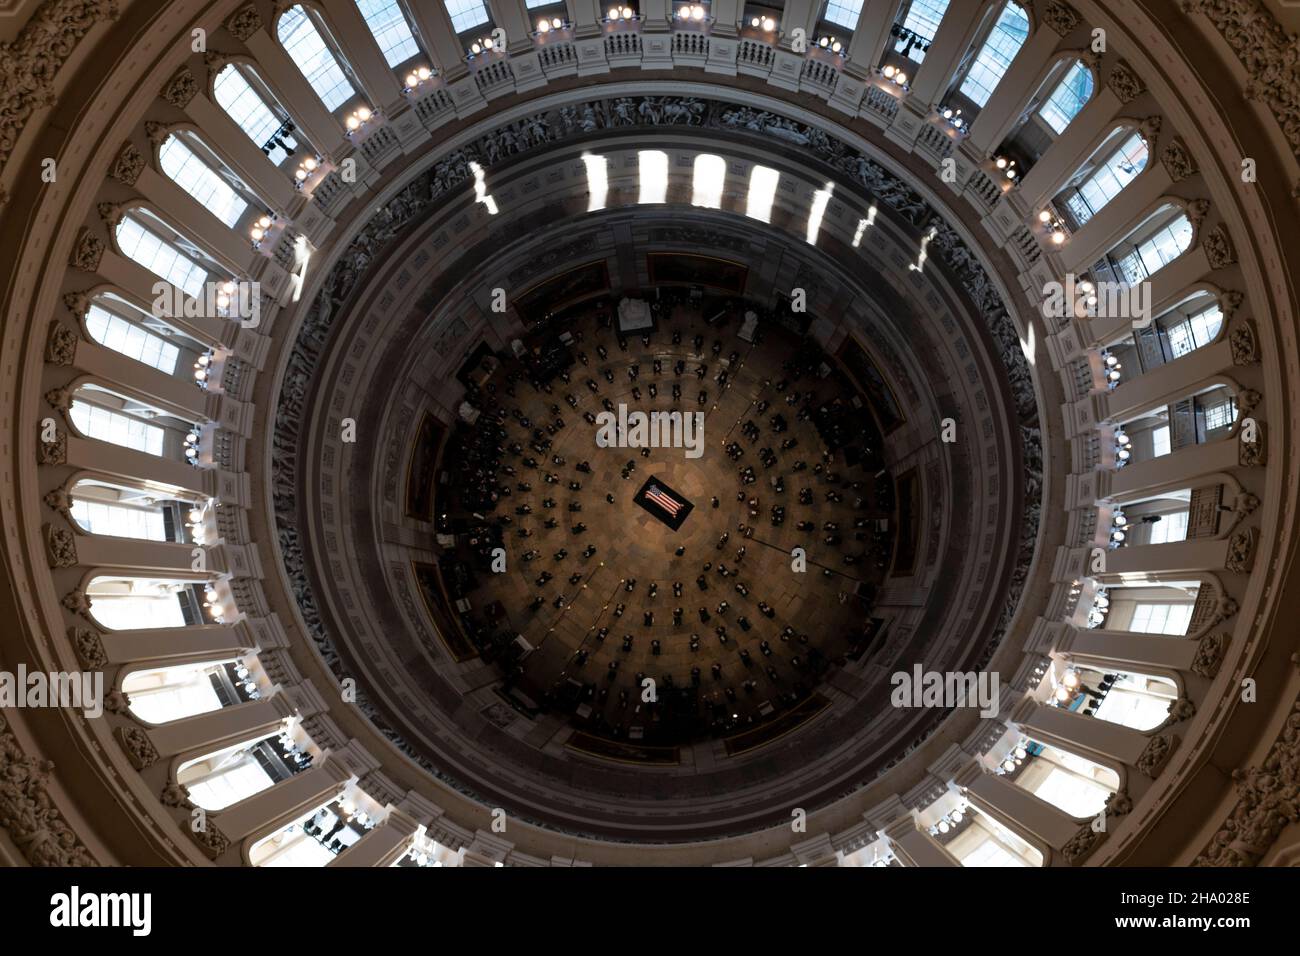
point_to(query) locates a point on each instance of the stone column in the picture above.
(1071, 149)
(1120, 650)
(218, 729)
(167, 646)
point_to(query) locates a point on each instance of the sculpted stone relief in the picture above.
(452, 172)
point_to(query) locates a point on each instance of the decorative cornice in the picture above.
(1061, 17)
(129, 164)
(244, 22)
(1124, 83)
(1267, 802)
(30, 63)
(1269, 54)
(27, 809)
(1178, 162)
(180, 89)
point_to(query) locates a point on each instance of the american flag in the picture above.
(663, 500)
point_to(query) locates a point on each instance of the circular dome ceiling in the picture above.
(809, 365)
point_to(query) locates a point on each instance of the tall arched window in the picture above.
(113, 331)
(709, 176)
(763, 182)
(1120, 167)
(227, 776)
(1139, 701)
(1074, 784)
(845, 13)
(245, 105)
(302, 40)
(106, 508)
(194, 174)
(127, 602)
(145, 246)
(1152, 246)
(466, 14)
(1164, 607)
(1069, 97)
(121, 419)
(164, 694)
(117, 427)
(390, 29)
(652, 176)
(918, 24)
(995, 56)
(315, 838)
(985, 842)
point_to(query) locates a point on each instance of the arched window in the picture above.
(387, 22)
(1120, 167)
(995, 56)
(117, 418)
(117, 333)
(132, 602)
(1146, 608)
(103, 423)
(1150, 248)
(243, 104)
(302, 40)
(845, 13)
(1139, 701)
(105, 508)
(652, 176)
(1069, 97)
(1190, 325)
(145, 246)
(466, 14)
(709, 176)
(164, 694)
(315, 838)
(762, 193)
(1073, 784)
(918, 23)
(985, 843)
(196, 176)
(223, 778)
(1193, 420)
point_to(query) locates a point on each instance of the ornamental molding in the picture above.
(556, 125)
(1270, 56)
(1061, 17)
(61, 344)
(1268, 800)
(32, 60)
(1209, 654)
(1254, 453)
(128, 165)
(1244, 343)
(52, 452)
(1178, 162)
(1241, 550)
(180, 89)
(1219, 249)
(139, 748)
(89, 648)
(244, 22)
(28, 812)
(60, 546)
(1158, 750)
(87, 252)
(1124, 83)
